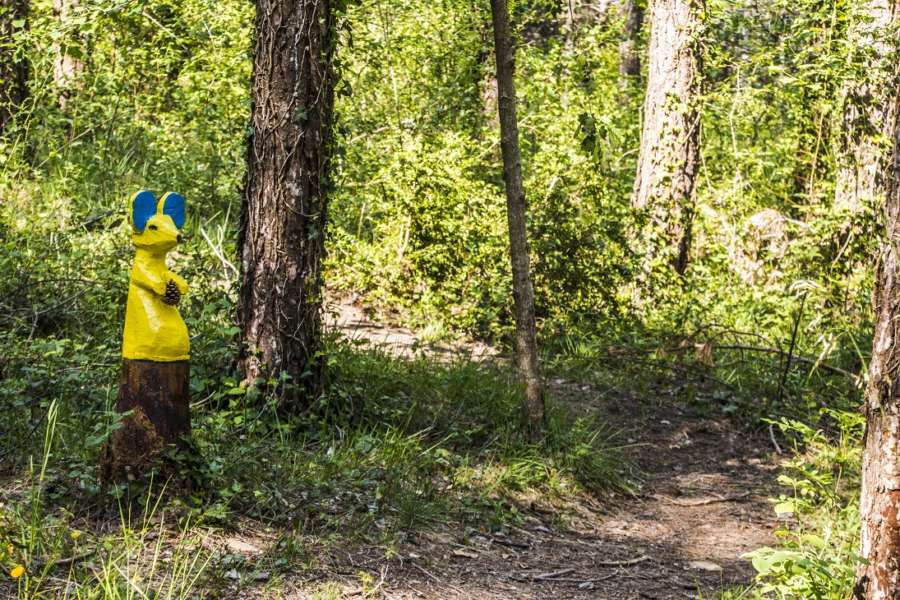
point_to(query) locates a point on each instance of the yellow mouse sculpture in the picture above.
(154, 329)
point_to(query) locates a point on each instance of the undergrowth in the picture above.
(394, 447)
(816, 554)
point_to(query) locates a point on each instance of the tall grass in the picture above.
(47, 557)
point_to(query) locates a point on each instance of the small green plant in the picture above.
(817, 557)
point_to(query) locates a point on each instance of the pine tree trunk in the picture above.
(880, 499)
(670, 139)
(629, 59)
(13, 68)
(66, 68)
(523, 293)
(282, 235)
(859, 183)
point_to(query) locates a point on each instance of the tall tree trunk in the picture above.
(66, 67)
(523, 293)
(880, 499)
(284, 216)
(859, 182)
(670, 139)
(629, 59)
(13, 66)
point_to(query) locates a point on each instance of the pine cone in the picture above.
(172, 295)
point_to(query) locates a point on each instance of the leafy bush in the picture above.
(817, 557)
(419, 219)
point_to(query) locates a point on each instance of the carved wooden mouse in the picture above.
(154, 329)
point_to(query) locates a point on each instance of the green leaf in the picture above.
(785, 508)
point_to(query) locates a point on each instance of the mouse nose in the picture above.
(178, 238)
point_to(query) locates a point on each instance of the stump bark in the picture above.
(157, 395)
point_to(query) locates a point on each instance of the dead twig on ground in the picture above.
(702, 501)
(772, 437)
(73, 559)
(583, 581)
(574, 580)
(435, 579)
(633, 352)
(554, 574)
(510, 543)
(622, 563)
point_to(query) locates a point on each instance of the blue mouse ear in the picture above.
(172, 204)
(143, 206)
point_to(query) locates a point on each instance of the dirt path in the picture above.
(702, 506)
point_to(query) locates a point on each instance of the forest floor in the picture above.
(703, 503)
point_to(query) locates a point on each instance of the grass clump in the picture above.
(48, 554)
(397, 444)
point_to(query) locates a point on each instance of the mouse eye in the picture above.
(152, 227)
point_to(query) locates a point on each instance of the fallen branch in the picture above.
(575, 579)
(702, 501)
(431, 576)
(583, 581)
(795, 357)
(73, 559)
(510, 543)
(622, 563)
(553, 575)
(772, 437)
(557, 576)
(61, 562)
(686, 348)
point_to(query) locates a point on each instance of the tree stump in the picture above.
(157, 395)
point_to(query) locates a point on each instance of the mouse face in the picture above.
(155, 224)
(160, 233)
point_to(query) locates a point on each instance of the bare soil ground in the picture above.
(703, 504)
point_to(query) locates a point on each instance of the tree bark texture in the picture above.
(13, 66)
(865, 128)
(880, 499)
(629, 59)
(670, 137)
(157, 395)
(285, 202)
(66, 68)
(523, 292)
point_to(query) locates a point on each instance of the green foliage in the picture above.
(396, 438)
(161, 101)
(418, 231)
(418, 220)
(419, 216)
(393, 447)
(817, 556)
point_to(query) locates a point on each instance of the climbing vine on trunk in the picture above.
(285, 202)
(670, 139)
